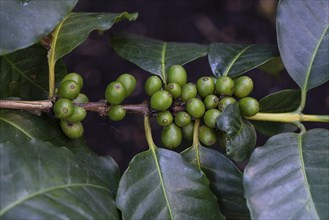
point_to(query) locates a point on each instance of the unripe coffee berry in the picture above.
(115, 93)
(164, 118)
(171, 136)
(195, 108)
(174, 89)
(225, 86)
(63, 108)
(116, 113)
(152, 85)
(81, 98)
(75, 77)
(189, 91)
(248, 106)
(69, 89)
(243, 86)
(188, 131)
(161, 100)
(128, 81)
(72, 130)
(79, 114)
(211, 101)
(205, 86)
(207, 136)
(210, 117)
(225, 102)
(177, 74)
(182, 119)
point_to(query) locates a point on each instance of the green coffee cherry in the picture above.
(210, 117)
(248, 106)
(177, 74)
(69, 89)
(72, 130)
(243, 86)
(205, 86)
(182, 119)
(79, 114)
(161, 100)
(116, 113)
(164, 118)
(63, 108)
(189, 91)
(115, 93)
(174, 89)
(195, 108)
(81, 98)
(171, 136)
(128, 81)
(75, 77)
(225, 86)
(152, 85)
(188, 131)
(225, 102)
(211, 101)
(207, 136)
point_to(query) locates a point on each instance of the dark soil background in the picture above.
(198, 21)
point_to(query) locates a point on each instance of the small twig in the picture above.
(37, 106)
(101, 107)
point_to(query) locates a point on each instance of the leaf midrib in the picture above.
(22, 73)
(234, 59)
(163, 57)
(156, 160)
(308, 72)
(18, 202)
(16, 126)
(300, 151)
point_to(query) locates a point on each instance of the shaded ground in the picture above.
(206, 21)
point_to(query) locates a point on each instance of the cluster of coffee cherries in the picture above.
(65, 109)
(116, 92)
(204, 100)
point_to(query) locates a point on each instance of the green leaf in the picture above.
(287, 178)
(24, 73)
(25, 22)
(303, 39)
(273, 66)
(42, 180)
(225, 180)
(232, 60)
(160, 184)
(278, 102)
(240, 136)
(155, 56)
(75, 28)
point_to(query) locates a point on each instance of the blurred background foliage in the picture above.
(203, 22)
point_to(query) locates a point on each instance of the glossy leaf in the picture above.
(278, 102)
(240, 136)
(160, 184)
(42, 177)
(24, 73)
(155, 56)
(287, 178)
(25, 22)
(232, 60)
(225, 180)
(75, 28)
(303, 39)
(273, 66)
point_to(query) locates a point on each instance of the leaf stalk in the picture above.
(289, 117)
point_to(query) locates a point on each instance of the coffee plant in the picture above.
(48, 172)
